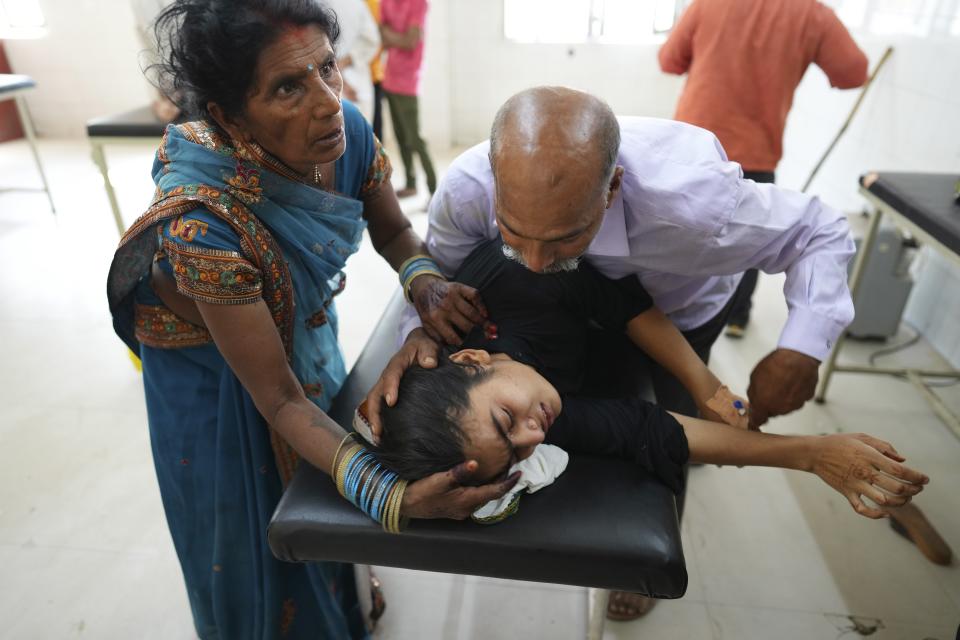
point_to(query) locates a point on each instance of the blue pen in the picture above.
(741, 410)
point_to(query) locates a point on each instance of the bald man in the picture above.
(563, 179)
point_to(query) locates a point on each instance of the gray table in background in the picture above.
(12, 87)
(924, 205)
(123, 128)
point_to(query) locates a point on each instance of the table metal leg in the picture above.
(32, 139)
(859, 268)
(948, 417)
(100, 159)
(597, 600)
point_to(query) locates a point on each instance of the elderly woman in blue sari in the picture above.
(225, 289)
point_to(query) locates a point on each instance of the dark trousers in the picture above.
(617, 368)
(377, 123)
(405, 115)
(743, 297)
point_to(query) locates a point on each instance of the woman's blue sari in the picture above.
(234, 226)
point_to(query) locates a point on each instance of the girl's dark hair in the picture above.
(422, 433)
(208, 49)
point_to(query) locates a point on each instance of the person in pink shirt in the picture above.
(402, 31)
(744, 60)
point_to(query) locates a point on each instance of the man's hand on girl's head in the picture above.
(419, 348)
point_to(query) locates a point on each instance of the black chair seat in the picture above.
(138, 123)
(604, 523)
(10, 82)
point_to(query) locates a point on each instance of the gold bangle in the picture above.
(340, 477)
(388, 513)
(333, 465)
(396, 525)
(392, 522)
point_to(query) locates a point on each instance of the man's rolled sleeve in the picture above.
(811, 333)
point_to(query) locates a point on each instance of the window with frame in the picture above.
(583, 21)
(21, 19)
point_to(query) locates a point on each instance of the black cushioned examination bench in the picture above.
(603, 523)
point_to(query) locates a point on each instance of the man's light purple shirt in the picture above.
(687, 225)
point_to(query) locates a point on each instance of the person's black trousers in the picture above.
(743, 297)
(377, 123)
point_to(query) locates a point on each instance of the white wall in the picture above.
(86, 66)
(435, 111)
(489, 70)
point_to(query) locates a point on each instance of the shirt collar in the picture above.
(611, 239)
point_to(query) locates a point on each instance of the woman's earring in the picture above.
(317, 176)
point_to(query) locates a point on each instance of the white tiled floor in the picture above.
(84, 549)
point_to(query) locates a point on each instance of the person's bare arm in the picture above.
(854, 464)
(653, 332)
(838, 54)
(250, 343)
(392, 235)
(400, 40)
(444, 307)
(676, 54)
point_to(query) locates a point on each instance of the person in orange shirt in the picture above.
(743, 60)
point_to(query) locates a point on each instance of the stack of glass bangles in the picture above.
(368, 485)
(415, 266)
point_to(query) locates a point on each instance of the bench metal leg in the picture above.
(597, 600)
(100, 159)
(859, 268)
(32, 139)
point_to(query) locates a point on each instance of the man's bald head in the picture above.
(554, 157)
(559, 122)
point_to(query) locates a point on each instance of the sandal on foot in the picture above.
(379, 604)
(624, 605)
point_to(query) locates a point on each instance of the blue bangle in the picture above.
(354, 473)
(372, 472)
(383, 492)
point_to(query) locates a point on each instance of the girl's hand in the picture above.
(858, 465)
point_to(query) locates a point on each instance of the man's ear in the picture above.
(614, 187)
(471, 356)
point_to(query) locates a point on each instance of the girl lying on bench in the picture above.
(515, 385)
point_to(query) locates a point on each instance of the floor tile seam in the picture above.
(897, 620)
(54, 547)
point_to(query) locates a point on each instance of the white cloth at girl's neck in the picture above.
(544, 465)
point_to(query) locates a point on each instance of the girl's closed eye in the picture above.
(509, 422)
